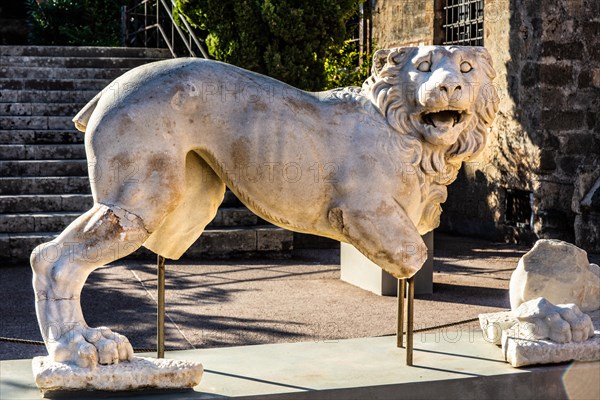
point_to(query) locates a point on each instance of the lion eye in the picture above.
(465, 67)
(424, 66)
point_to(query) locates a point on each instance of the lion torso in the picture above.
(289, 155)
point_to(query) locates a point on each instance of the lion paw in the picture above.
(563, 323)
(88, 347)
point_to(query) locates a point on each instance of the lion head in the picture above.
(440, 101)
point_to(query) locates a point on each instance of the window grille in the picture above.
(463, 22)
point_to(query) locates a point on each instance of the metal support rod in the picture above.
(160, 315)
(410, 320)
(400, 315)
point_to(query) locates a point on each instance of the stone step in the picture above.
(36, 222)
(214, 243)
(42, 151)
(45, 185)
(61, 136)
(37, 122)
(19, 203)
(240, 242)
(16, 248)
(47, 96)
(58, 220)
(75, 62)
(25, 72)
(83, 51)
(15, 109)
(22, 203)
(53, 84)
(43, 168)
(235, 216)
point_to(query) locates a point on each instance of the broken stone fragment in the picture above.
(559, 272)
(493, 324)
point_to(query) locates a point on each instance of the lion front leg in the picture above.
(384, 234)
(60, 269)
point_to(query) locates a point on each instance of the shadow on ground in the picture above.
(237, 302)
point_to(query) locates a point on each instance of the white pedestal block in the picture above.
(141, 373)
(362, 272)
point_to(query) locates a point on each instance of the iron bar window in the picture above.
(463, 22)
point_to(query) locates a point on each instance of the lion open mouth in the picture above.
(442, 119)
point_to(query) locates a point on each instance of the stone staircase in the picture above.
(43, 171)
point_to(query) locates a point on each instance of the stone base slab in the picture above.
(519, 351)
(141, 373)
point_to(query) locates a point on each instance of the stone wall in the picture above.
(545, 142)
(512, 159)
(403, 23)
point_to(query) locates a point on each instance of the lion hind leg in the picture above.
(385, 235)
(60, 269)
(203, 193)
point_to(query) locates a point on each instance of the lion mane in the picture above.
(437, 166)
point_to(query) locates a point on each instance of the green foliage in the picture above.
(345, 67)
(290, 40)
(75, 22)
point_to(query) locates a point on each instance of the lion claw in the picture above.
(91, 346)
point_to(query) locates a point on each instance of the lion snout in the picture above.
(449, 89)
(445, 95)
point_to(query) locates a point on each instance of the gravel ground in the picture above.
(238, 302)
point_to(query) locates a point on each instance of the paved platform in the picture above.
(449, 364)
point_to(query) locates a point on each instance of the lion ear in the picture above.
(379, 60)
(383, 57)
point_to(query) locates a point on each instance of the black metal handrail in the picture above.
(150, 23)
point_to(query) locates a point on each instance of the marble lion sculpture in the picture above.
(367, 166)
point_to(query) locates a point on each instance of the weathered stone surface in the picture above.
(44, 185)
(539, 319)
(539, 332)
(568, 51)
(137, 374)
(403, 23)
(563, 323)
(558, 271)
(556, 75)
(269, 239)
(521, 351)
(493, 324)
